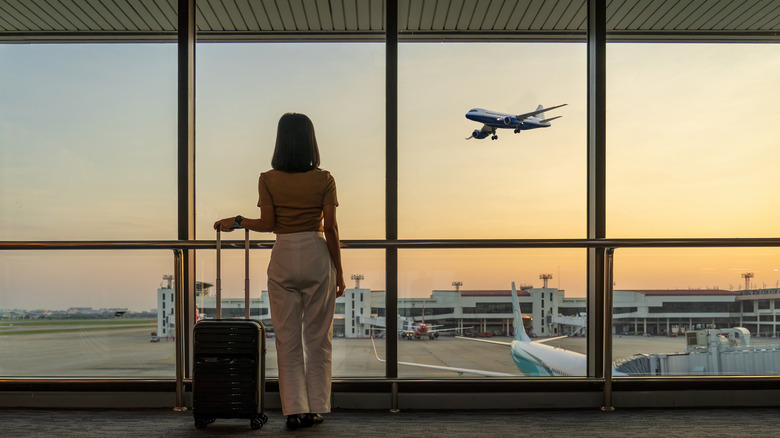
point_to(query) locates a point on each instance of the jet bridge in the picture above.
(709, 352)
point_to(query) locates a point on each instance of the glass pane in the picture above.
(87, 141)
(692, 140)
(243, 90)
(358, 328)
(87, 314)
(696, 311)
(359, 314)
(529, 184)
(450, 299)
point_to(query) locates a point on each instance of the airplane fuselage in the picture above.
(495, 119)
(533, 359)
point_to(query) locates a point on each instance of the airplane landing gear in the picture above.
(494, 137)
(517, 131)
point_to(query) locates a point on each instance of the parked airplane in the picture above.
(532, 358)
(409, 329)
(537, 359)
(520, 122)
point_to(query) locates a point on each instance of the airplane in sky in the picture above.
(532, 358)
(493, 120)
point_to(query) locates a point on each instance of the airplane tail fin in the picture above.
(539, 108)
(520, 334)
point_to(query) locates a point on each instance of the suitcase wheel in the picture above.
(201, 423)
(256, 423)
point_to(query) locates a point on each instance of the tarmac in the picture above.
(128, 352)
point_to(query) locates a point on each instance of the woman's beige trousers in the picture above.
(302, 291)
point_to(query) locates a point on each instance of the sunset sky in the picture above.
(88, 152)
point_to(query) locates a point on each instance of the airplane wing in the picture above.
(541, 341)
(533, 113)
(460, 371)
(551, 118)
(449, 329)
(484, 340)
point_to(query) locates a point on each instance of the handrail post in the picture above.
(246, 274)
(219, 276)
(608, 304)
(178, 269)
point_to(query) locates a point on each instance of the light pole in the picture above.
(357, 278)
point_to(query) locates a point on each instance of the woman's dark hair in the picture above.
(296, 146)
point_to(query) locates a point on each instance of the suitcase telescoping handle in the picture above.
(246, 274)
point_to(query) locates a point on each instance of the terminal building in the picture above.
(360, 313)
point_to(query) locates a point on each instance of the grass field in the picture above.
(26, 327)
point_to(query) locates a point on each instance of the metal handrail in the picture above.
(402, 243)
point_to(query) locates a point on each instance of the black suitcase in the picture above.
(228, 376)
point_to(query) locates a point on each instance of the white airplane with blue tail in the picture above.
(532, 358)
(538, 359)
(493, 120)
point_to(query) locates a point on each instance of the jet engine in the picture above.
(479, 135)
(508, 121)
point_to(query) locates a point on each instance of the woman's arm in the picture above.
(331, 229)
(265, 223)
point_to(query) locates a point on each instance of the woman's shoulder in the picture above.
(323, 173)
(311, 175)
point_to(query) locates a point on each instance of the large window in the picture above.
(243, 90)
(89, 137)
(87, 152)
(691, 147)
(491, 176)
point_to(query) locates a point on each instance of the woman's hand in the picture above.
(340, 285)
(227, 224)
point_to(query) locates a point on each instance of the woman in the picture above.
(298, 203)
